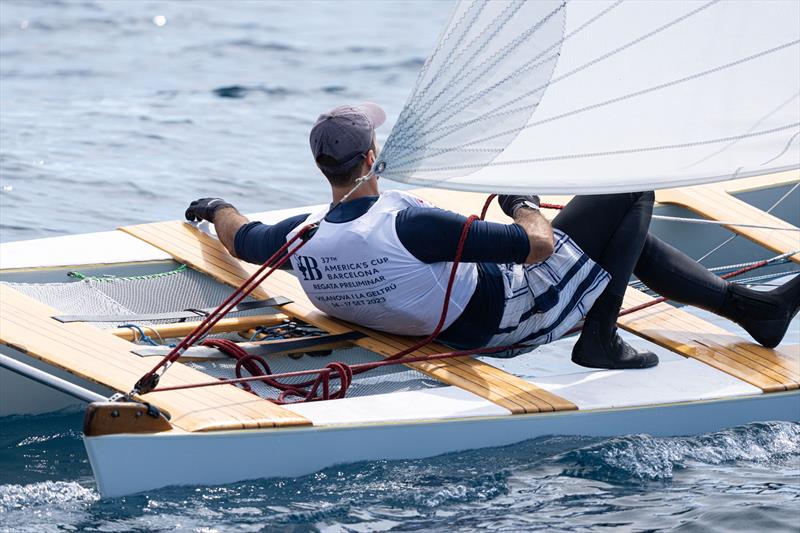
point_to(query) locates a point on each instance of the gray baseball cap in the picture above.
(345, 134)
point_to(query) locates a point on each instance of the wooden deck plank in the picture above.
(95, 362)
(206, 254)
(96, 355)
(91, 362)
(752, 355)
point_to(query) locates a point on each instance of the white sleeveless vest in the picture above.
(359, 271)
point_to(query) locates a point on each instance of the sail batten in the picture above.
(581, 97)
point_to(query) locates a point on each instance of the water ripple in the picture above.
(240, 91)
(642, 457)
(62, 494)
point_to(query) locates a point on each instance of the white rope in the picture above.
(783, 257)
(775, 275)
(722, 223)
(732, 237)
(359, 182)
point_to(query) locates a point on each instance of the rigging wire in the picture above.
(732, 237)
(770, 276)
(637, 284)
(722, 223)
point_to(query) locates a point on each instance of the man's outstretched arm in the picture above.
(253, 242)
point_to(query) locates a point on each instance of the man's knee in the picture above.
(647, 196)
(626, 200)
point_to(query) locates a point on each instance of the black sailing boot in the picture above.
(599, 345)
(764, 315)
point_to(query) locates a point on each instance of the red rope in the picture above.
(307, 391)
(486, 205)
(149, 381)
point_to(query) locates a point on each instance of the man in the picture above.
(383, 260)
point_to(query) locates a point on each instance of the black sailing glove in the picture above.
(204, 209)
(510, 202)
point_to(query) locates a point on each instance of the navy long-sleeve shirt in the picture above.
(431, 235)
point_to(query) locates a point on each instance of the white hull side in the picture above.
(126, 464)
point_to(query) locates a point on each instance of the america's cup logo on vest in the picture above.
(309, 268)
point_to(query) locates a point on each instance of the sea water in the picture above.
(115, 113)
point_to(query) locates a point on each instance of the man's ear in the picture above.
(369, 160)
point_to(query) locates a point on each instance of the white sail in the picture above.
(602, 96)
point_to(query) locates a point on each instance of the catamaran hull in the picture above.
(127, 464)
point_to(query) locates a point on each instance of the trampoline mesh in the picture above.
(185, 288)
(175, 290)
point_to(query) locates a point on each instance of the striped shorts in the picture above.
(545, 300)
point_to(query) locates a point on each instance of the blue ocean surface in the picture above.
(120, 112)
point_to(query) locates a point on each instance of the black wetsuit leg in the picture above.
(765, 315)
(678, 277)
(612, 230)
